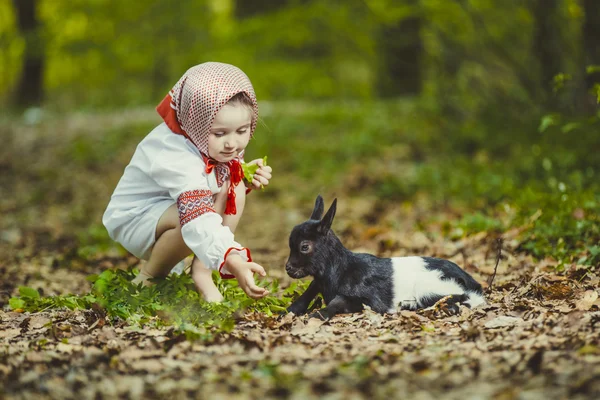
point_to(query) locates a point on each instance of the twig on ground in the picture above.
(490, 280)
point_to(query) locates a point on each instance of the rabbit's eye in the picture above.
(305, 247)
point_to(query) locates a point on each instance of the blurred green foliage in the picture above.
(99, 53)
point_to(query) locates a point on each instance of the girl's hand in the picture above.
(262, 176)
(244, 272)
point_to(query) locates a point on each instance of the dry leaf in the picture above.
(38, 321)
(10, 333)
(150, 365)
(311, 327)
(587, 300)
(502, 321)
(65, 348)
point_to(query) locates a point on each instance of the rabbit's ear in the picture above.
(318, 210)
(327, 220)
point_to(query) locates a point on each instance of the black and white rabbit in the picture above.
(347, 280)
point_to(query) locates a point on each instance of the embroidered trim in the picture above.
(194, 203)
(229, 276)
(222, 174)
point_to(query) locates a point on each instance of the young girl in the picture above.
(182, 193)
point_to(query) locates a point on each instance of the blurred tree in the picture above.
(30, 89)
(547, 44)
(401, 52)
(307, 49)
(246, 8)
(99, 48)
(472, 58)
(591, 44)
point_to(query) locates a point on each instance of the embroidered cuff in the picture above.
(194, 203)
(243, 252)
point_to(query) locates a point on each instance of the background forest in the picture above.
(440, 126)
(505, 95)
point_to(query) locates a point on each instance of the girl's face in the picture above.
(230, 132)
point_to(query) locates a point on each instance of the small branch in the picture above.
(490, 280)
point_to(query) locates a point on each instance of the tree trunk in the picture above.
(547, 43)
(250, 8)
(29, 90)
(401, 51)
(591, 49)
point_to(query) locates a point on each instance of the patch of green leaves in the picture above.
(173, 300)
(567, 230)
(476, 222)
(560, 80)
(499, 195)
(30, 300)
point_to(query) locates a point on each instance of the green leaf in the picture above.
(250, 170)
(16, 303)
(560, 80)
(107, 274)
(25, 291)
(596, 90)
(547, 121)
(590, 69)
(570, 126)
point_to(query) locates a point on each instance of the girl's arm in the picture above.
(177, 167)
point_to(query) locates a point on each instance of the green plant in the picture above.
(173, 300)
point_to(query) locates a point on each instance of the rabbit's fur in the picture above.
(348, 280)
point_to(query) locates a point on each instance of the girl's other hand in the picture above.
(244, 272)
(263, 174)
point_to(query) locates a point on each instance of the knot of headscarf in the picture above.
(191, 106)
(236, 174)
(210, 164)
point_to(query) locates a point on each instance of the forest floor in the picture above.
(537, 338)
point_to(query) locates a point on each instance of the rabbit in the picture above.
(349, 280)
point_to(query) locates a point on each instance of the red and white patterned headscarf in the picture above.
(191, 106)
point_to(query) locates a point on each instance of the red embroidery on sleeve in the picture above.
(194, 203)
(229, 276)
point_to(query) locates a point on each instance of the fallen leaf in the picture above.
(38, 321)
(287, 319)
(35, 357)
(587, 300)
(558, 290)
(65, 348)
(311, 327)
(554, 278)
(502, 321)
(133, 353)
(10, 333)
(150, 365)
(375, 319)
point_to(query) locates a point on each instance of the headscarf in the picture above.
(190, 109)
